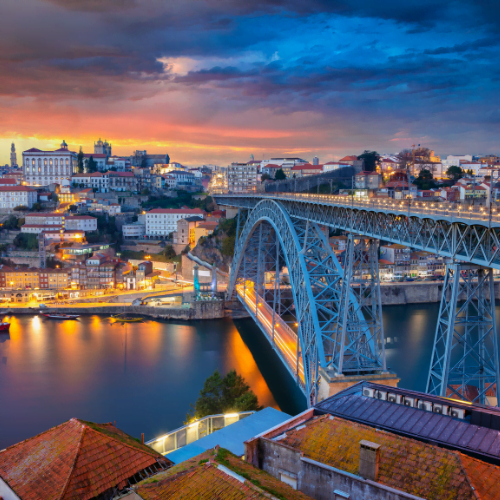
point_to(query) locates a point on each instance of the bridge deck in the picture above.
(450, 212)
(283, 338)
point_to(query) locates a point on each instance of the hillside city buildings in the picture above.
(62, 204)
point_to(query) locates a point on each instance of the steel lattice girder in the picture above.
(465, 351)
(359, 338)
(315, 278)
(475, 243)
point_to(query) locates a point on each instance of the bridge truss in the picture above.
(338, 311)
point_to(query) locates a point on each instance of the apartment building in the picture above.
(160, 222)
(15, 196)
(306, 169)
(123, 181)
(242, 177)
(185, 234)
(81, 222)
(97, 272)
(134, 230)
(45, 218)
(367, 180)
(98, 181)
(55, 279)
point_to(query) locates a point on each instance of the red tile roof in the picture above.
(418, 468)
(76, 460)
(9, 189)
(349, 158)
(176, 211)
(7, 181)
(201, 478)
(307, 166)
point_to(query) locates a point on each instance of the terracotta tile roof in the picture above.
(8, 189)
(349, 158)
(415, 467)
(76, 460)
(192, 479)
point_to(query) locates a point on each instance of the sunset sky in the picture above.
(214, 81)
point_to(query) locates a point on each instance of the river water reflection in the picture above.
(144, 376)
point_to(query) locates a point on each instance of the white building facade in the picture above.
(135, 230)
(160, 222)
(81, 222)
(41, 168)
(15, 196)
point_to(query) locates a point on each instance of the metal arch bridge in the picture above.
(323, 316)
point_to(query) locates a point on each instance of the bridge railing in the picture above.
(190, 433)
(449, 211)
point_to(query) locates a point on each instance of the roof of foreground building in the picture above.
(216, 473)
(470, 428)
(406, 464)
(76, 460)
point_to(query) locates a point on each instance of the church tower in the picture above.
(13, 156)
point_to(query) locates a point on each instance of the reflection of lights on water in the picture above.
(35, 323)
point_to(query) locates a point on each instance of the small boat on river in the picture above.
(4, 326)
(61, 316)
(124, 319)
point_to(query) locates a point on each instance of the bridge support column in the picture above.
(360, 341)
(464, 362)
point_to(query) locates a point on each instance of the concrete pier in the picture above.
(331, 384)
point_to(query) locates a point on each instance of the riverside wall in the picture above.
(416, 292)
(197, 311)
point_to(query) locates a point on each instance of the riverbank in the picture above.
(418, 292)
(195, 311)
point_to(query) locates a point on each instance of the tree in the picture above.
(455, 173)
(279, 175)
(144, 162)
(37, 207)
(12, 222)
(224, 395)
(265, 177)
(370, 158)
(425, 180)
(26, 241)
(169, 252)
(81, 156)
(55, 198)
(145, 192)
(91, 165)
(228, 246)
(20, 208)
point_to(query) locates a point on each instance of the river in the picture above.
(144, 376)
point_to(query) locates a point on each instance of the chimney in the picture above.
(369, 459)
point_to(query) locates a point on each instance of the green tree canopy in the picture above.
(92, 165)
(265, 177)
(371, 159)
(26, 241)
(80, 158)
(425, 180)
(224, 395)
(279, 175)
(455, 173)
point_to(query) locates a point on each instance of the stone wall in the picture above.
(198, 311)
(318, 480)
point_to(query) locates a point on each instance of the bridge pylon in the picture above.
(464, 363)
(359, 342)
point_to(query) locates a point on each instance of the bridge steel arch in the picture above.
(465, 349)
(315, 279)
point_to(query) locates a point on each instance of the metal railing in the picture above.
(449, 211)
(190, 433)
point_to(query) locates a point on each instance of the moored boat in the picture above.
(4, 326)
(123, 319)
(61, 316)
